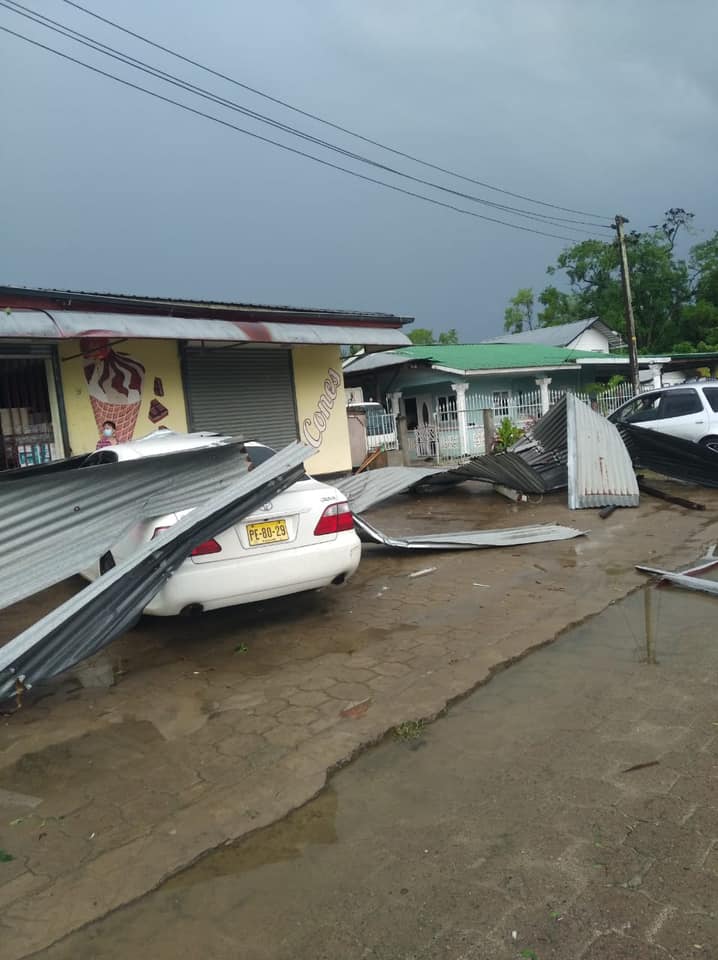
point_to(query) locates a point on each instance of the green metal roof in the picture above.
(496, 356)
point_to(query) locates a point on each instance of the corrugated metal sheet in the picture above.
(683, 580)
(671, 456)
(73, 324)
(558, 335)
(508, 469)
(375, 361)
(54, 524)
(247, 393)
(365, 490)
(549, 431)
(471, 540)
(106, 608)
(600, 472)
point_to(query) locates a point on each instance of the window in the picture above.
(447, 409)
(640, 409)
(711, 394)
(501, 403)
(680, 403)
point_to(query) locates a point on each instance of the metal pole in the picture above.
(628, 306)
(650, 636)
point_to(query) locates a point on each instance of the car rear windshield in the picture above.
(712, 397)
(259, 454)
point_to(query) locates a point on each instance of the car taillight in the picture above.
(336, 519)
(209, 546)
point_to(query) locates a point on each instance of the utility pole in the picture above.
(628, 306)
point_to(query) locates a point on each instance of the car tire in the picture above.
(711, 443)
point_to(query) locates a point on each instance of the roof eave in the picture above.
(494, 370)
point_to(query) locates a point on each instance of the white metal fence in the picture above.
(381, 431)
(455, 433)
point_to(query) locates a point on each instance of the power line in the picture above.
(121, 56)
(329, 123)
(282, 146)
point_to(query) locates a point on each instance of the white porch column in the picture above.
(543, 383)
(460, 391)
(394, 399)
(656, 369)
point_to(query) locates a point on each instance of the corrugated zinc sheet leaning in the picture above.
(471, 540)
(671, 456)
(364, 490)
(53, 525)
(600, 472)
(509, 469)
(106, 608)
(549, 431)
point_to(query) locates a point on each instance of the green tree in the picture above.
(421, 336)
(660, 282)
(703, 269)
(424, 337)
(519, 315)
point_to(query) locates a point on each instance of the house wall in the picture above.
(590, 340)
(321, 407)
(160, 359)
(440, 384)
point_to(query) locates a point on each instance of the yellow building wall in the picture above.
(321, 407)
(160, 359)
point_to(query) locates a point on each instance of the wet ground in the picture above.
(187, 733)
(565, 810)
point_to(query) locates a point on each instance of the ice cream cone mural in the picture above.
(114, 383)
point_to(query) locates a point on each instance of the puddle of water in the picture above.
(49, 769)
(408, 850)
(311, 825)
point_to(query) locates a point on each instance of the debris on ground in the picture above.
(95, 616)
(669, 497)
(54, 524)
(571, 447)
(472, 539)
(356, 710)
(422, 573)
(682, 580)
(641, 766)
(670, 456)
(368, 489)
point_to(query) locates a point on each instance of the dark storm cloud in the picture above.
(604, 107)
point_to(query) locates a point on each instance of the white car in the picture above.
(689, 411)
(303, 539)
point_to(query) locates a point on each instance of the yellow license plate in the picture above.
(272, 531)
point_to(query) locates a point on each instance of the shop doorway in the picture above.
(27, 436)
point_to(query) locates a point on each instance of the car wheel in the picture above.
(711, 443)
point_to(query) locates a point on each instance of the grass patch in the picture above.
(409, 730)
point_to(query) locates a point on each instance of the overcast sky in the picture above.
(599, 105)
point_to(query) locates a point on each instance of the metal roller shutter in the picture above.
(243, 392)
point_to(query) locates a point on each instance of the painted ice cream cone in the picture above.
(114, 382)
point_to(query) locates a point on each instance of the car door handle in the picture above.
(700, 421)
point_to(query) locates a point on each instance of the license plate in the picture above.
(271, 531)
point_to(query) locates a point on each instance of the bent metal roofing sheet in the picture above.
(102, 611)
(56, 523)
